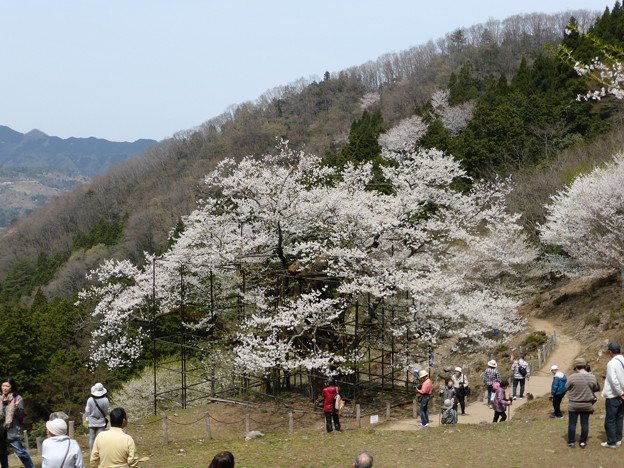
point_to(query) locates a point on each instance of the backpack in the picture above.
(338, 403)
(522, 370)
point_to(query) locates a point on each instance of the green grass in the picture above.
(530, 440)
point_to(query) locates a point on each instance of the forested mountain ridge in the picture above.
(35, 167)
(523, 113)
(85, 156)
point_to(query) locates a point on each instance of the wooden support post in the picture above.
(358, 421)
(38, 444)
(207, 419)
(71, 431)
(165, 429)
(414, 408)
(26, 444)
(291, 423)
(388, 411)
(247, 423)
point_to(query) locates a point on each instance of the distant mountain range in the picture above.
(35, 167)
(85, 156)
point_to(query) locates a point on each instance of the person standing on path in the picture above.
(580, 386)
(557, 390)
(329, 405)
(490, 376)
(13, 412)
(521, 374)
(460, 383)
(424, 389)
(613, 392)
(500, 402)
(447, 392)
(96, 410)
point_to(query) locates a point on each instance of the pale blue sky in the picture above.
(129, 69)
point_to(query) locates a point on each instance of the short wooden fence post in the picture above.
(247, 423)
(358, 421)
(414, 408)
(71, 431)
(207, 418)
(387, 411)
(165, 429)
(38, 444)
(291, 423)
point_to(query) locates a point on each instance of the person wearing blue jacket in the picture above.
(557, 390)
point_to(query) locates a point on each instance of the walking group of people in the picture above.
(580, 387)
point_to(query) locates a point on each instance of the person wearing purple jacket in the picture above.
(500, 402)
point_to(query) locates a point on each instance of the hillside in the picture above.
(156, 189)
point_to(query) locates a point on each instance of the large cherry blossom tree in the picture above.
(310, 242)
(586, 220)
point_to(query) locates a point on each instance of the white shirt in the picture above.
(53, 450)
(614, 380)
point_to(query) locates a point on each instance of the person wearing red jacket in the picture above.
(329, 406)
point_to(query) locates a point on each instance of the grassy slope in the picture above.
(531, 439)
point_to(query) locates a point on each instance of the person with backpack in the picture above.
(557, 390)
(521, 375)
(490, 376)
(329, 405)
(96, 410)
(13, 413)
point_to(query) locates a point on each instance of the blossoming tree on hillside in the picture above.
(312, 241)
(587, 220)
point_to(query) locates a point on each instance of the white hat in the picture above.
(422, 373)
(458, 369)
(57, 427)
(492, 363)
(447, 404)
(98, 390)
(554, 367)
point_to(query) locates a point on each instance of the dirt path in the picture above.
(539, 384)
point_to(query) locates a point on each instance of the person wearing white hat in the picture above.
(449, 414)
(557, 390)
(96, 410)
(58, 450)
(490, 376)
(462, 390)
(424, 389)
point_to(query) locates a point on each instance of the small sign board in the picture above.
(374, 419)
